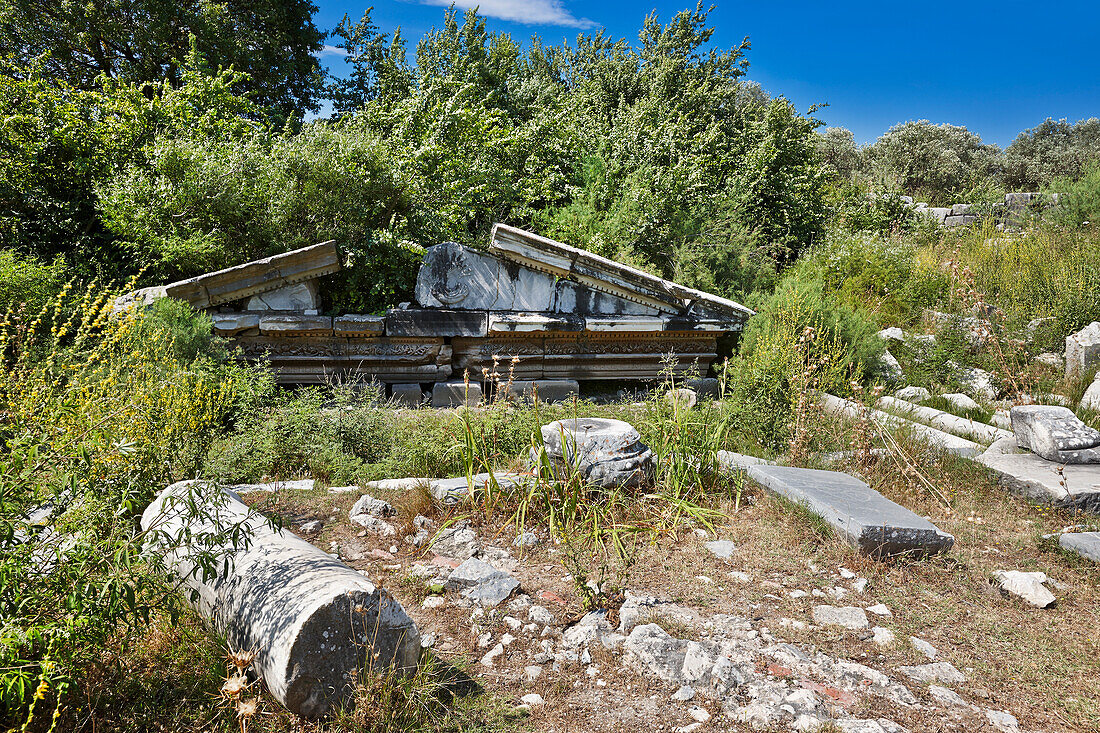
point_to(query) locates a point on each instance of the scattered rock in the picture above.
(946, 697)
(539, 615)
(1091, 399)
(942, 672)
(492, 654)
(1055, 361)
(526, 539)
(880, 609)
(684, 693)
(460, 543)
(367, 504)
(1083, 350)
(850, 617)
(1002, 721)
(482, 583)
(882, 636)
(924, 647)
(1028, 586)
(533, 699)
(1056, 434)
(1085, 544)
(682, 397)
(960, 401)
(892, 334)
(915, 395)
(374, 525)
(722, 549)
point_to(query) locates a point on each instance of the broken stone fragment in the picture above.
(1028, 586)
(1083, 350)
(1085, 544)
(1056, 434)
(312, 620)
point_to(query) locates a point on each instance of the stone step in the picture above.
(867, 519)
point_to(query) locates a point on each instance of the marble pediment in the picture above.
(458, 277)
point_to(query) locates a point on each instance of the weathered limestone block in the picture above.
(407, 395)
(607, 453)
(838, 406)
(296, 325)
(505, 323)
(435, 322)
(1056, 434)
(358, 326)
(705, 387)
(1065, 486)
(456, 394)
(625, 324)
(545, 390)
(871, 522)
(314, 359)
(300, 297)
(1090, 400)
(608, 276)
(1083, 350)
(312, 620)
(961, 426)
(232, 324)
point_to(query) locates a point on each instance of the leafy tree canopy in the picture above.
(273, 41)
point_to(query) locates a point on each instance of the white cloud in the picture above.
(531, 12)
(331, 51)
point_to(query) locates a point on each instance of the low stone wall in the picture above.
(1011, 212)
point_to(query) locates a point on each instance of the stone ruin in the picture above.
(1011, 212)
(539, 311)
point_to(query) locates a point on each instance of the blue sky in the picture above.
(995, 67)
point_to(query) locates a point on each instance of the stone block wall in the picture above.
(1011, 212)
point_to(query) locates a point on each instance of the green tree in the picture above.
(273, 41)
(378, 66)
(1053, 149)
(839, 153)
(937, 162)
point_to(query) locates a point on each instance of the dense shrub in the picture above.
(1053, 150)
(794, 345)
(99, 412)
(27, 284)
(934, 162)
(1079, 199)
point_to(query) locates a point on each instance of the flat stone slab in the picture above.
(1062, 486)
(870, 521)
(1056, 434)
(1085, 544)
